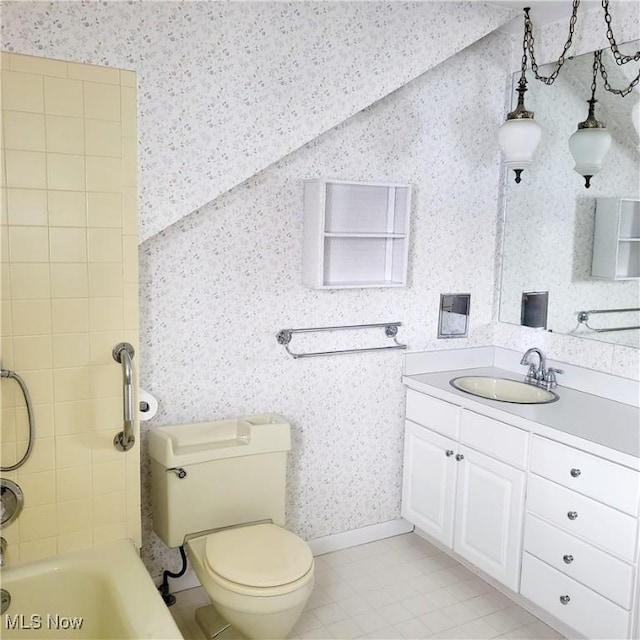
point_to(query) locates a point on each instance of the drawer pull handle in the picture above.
(572, 515)
(459, 457)
(568, 558)
(448, 453)
(575, 473)
(565, 599)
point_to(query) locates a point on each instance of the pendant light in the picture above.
(591, 142)
(520, 134)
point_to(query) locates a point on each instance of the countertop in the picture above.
(575, 414)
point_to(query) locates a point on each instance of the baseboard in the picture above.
(371, 533)
(325, 544)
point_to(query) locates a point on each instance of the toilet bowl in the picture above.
(219, 488)
(259, 577)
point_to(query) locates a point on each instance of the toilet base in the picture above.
(213, 625)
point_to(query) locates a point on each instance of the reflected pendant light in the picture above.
(590, 143)
(520, 134)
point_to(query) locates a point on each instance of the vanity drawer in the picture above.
(497, 439)
(593, 568)
(605, 527)
(585, 611)
(603, 480)
(438, 415)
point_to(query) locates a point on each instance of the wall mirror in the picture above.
(549, 218)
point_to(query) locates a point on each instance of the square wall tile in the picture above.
(69, 280)
(67, 208)
(71, 384)
(73, 417)
(43, 415)
(105, 279)
(109, 509)
(103, 138)
(129, 111)
(75, 541)
(108, 477)
(65, 134)
(107, 415)
(130, 250)
(130, 210)
(7, 424)
(31, 317)
(32, 352)
(74, 515)
(104, 174)
(102, 101)
(37, 522)
(94, 73)
(63, 97)
(22, 92)
(105, 245)
(66, 172)
(106, 314)
(73, 451)
(23, 130)
(29, 244)
(27, 207)
(106, 381)
(40, 488)
(129, 162)
(40, 384)
(42, 458)
(110, 533)
(127, 78)
(73, 483)
(29, 281)
(104, 210)
(70, 315)
(37, 549)
(70, 350)
(25, 169)
(67, 244)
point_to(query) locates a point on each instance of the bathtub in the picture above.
(104, 593)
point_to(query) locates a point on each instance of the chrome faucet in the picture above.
(3, 548)
(535, 374)
(540, 375)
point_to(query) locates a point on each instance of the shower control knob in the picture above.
(448, 453)
(575, 473)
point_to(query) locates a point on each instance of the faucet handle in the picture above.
(550, 377)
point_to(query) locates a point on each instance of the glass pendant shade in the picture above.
(519, 139)
(589, 147)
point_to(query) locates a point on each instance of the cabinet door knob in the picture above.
(575, 473)
(572, 515)
(459, 457)
(568, 558)
(565, 599)
(448, 453)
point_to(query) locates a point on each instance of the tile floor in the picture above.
(400, 587)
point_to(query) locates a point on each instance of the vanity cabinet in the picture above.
(616, 239)
(555, 524)
(580, 539)
(356, 234)
(469, 500)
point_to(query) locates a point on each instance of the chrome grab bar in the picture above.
(583, 318)
(123, 353)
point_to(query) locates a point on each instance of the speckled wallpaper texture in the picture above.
(227, 88)
(219, 285)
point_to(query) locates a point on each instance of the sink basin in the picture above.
(503, 390)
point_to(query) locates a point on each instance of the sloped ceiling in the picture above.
(227, 88)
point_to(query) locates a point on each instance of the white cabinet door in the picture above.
(429, 481)
(489, 515)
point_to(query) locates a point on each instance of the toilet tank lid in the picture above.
(262, 555)
(179, 445)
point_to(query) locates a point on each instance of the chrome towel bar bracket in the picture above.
(390, 329)
(123, 353)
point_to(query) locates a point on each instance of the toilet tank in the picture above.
(209, 475)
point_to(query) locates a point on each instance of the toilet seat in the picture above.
(261, 558)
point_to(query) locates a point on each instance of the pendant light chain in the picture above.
(567, 45)
(620, 92)
(620, 58)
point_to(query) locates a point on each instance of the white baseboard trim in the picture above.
(371, 533)
(318, 546)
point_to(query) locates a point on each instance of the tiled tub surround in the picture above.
(69, 295)
(565, 474)
(282, 73)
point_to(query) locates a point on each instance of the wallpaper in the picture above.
(219, 285)
(227, 88)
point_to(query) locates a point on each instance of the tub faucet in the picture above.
(535, 375)
(3, 548)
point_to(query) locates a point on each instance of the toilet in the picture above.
(218, 488)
